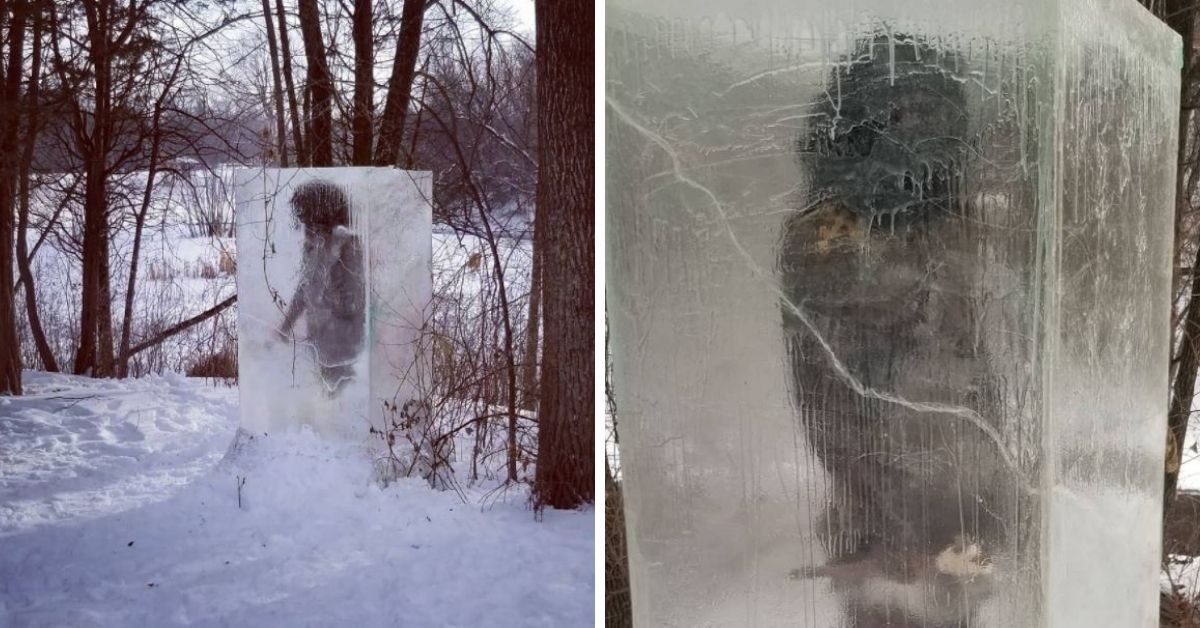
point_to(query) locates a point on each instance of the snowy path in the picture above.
(116, 509)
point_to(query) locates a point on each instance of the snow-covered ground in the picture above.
(119, 507)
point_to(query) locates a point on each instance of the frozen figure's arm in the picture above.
(295, 309)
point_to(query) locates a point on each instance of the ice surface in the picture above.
(334, 278)
(889, 288)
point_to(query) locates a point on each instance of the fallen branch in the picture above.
(182, 326)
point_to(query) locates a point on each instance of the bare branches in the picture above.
(492, 32)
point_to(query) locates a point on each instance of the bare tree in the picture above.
(286, 50)
(277, 91)
(152, 171)
(319, 92)
(565, 215)
(29, 141)
(529, 375)
(10, 95)
(364, 84)
(110, 31)
(391, 125)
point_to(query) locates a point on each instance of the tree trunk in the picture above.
(89, 359)
(49, 363)
(280, 120)
(85, 356)
(24, 270)
(320, 86)
(1183, 390)
(10, 348)
(618, 610)
(529, 361)
(364, 83)
(566, 181)
(106, 359)
(408, 44)
(297, 123)
(409, 162)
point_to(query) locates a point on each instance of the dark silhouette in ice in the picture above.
(883, 267)
(332, 289)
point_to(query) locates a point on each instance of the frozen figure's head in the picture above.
(319, 206)
(889, 138)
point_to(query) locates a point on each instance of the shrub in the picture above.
(219, 364)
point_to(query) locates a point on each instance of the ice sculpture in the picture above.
(889, 288)
(334, 279)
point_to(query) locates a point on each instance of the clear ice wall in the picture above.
(334, 281)
(889, 288)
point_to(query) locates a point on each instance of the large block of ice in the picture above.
(334, 279)
(889, 289)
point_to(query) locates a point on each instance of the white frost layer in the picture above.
(88, 467)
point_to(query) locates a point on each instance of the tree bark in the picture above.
(566, 181)
(297, 122)
(10, 348)
(364, 83)
(395, 110)
(280, 119)
(320, 86)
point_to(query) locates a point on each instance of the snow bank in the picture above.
(120, 508)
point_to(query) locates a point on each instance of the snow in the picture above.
(1182, 573)
(119, 507)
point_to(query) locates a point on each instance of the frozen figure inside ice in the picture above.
(331, 292)
(886, 316)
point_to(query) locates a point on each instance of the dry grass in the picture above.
(221, 364)
(227, 263)
(1178, 610)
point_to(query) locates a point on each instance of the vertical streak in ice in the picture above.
(891, 56)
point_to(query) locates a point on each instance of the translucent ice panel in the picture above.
(334, 277)
(889, 287)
